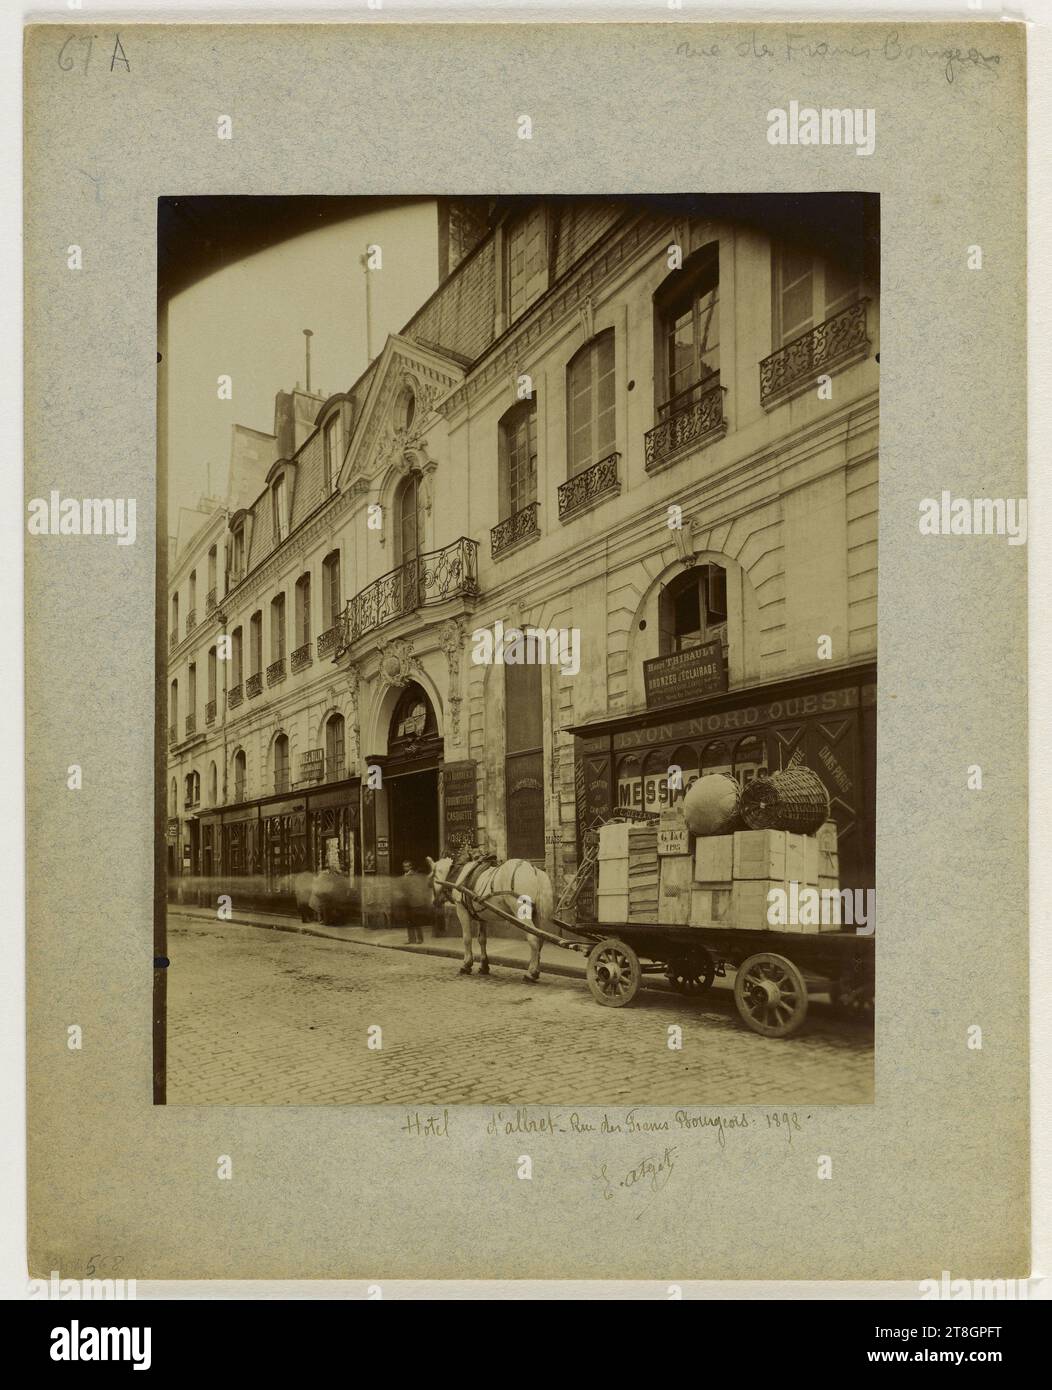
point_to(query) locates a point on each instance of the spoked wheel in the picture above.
(614, 974)
(692, 976)
(771, 995)
(852, 998)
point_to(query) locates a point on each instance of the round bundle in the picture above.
(712, 805)
(794, 800)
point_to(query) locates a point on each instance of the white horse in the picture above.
(516, 886)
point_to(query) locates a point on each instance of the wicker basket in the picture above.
(795, 800)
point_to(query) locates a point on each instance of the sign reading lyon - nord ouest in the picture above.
(684, 675)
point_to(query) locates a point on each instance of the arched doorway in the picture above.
(414, 752)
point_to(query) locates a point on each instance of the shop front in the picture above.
(646, 761)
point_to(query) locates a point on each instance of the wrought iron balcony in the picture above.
(210, 712)
(276, 671)
(254, 685)
(328, 641)
(172, 730)
(301, 657)
(689, 420)
(234, 696)
(830, 344)
(191, 724)
(191, 621)
(420, 582)
(520, 526)
(591, 485)
(210, 602)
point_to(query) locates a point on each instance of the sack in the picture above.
(712, 805)
(795, 800)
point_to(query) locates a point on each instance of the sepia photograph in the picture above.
(517, 649)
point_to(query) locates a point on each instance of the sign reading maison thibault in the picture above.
(697, 671)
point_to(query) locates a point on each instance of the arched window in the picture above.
(518, 457)
(687, 326)
(213, 671)
(590, 404)
(279, 501)
(413, 718)
(405, 409)
(240, 775)
(330, 591)
(213, 784)
(334, 749)
(237, 653)
(173, 712)
(716, 757)
(174, 627)
(303, 610)
(333, 451)
(192, 599)
(692, 611)
(409, 520)
(281, 763)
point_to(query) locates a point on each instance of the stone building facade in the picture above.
(648, 427)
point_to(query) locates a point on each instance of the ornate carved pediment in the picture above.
(399, 664)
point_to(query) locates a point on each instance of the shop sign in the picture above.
(685, 675)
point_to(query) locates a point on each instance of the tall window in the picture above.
(237, 670)
(280, 508)
(693, 610)
(277, 628)
(212, 566)
(525, 262)
(191, 691)
(281, 763)
(213, 785)
(331, 449)
(518, 457)
(240, 775)
(255, 643)
(688, 306)
(807, 291)
(524, 760)
(409, 520)
(590, 403)
(334, 750)
(237, 554)
(175, 615)
(212, 674)
(173, 705)
(173, 798)
(192, 601)
(303, 610)
(330, 590)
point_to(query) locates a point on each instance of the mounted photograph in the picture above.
(517, 650)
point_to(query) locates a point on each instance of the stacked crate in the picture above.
(628, 873)
(734, 875)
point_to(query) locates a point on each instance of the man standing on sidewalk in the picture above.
(412, 892)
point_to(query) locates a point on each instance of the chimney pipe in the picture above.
(308, 334)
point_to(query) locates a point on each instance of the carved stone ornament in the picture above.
(398, 664)
(451, 639)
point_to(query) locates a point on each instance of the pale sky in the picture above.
(247, 321)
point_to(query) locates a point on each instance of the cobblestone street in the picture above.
(262, 1017)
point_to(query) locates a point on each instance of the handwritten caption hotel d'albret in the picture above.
(524, 1122)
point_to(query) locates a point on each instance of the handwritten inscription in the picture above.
(793, 47)
(549, 1124)
(426, 1126)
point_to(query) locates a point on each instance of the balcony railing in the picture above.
(276, 671)
(191, 621)
(427, 579)
(329, 641)
(234, 696)
(172, 731)
(690, 419)
(520, 526)
(830, 344)
(589, 486)
(301, 657)
(254, 685)
(210, 712)
(210, 602)
(191, 724)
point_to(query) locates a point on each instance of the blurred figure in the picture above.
(413, 897)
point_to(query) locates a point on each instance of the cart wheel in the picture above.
(850, 999)
(771, 995)
(693, 975)
(614, 975)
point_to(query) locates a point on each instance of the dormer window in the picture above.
(280, 508)
(237, 553)
(405, 409)
(332, 441)
(525, 270)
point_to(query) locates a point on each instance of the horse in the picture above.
(516, 886)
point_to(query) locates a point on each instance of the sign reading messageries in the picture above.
(684, 675)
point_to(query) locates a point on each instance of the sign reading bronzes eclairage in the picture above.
(697, 671)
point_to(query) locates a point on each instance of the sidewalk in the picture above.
(501, 951)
